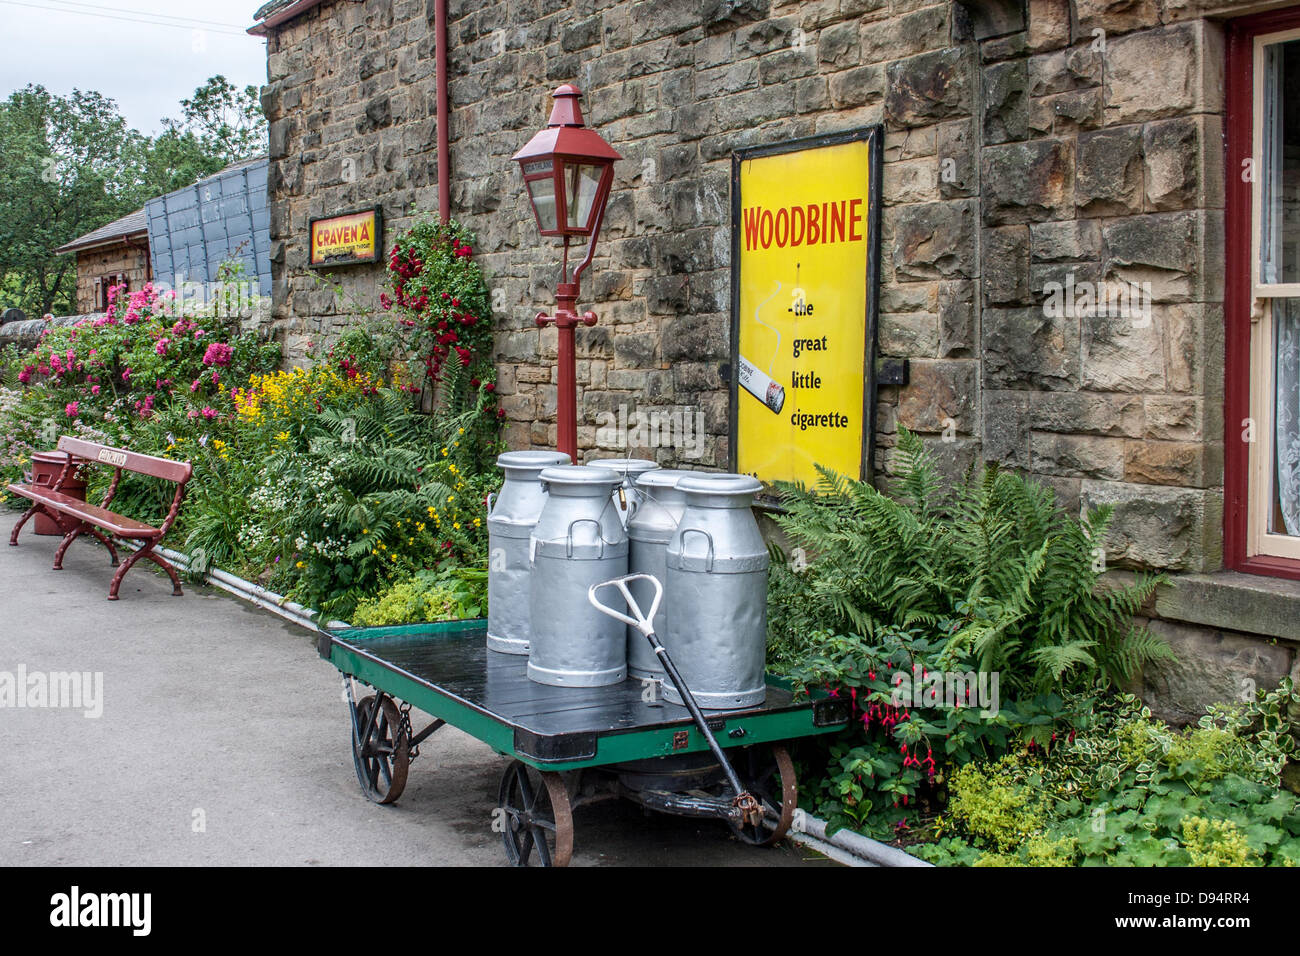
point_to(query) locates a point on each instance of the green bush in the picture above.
(425, 597)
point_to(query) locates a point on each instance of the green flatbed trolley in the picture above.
(572, 746)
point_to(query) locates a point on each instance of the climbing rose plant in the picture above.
(438, 296)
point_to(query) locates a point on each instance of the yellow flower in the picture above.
(477, 522)
(300, 564)
(283, 436)
(462, 431)
(456, 525)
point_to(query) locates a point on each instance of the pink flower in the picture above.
(209, 412)
(194, 385)
(71, 409)
(94, 390)
(218, 353)
(126, 375)
(25, 375)
(161, 347)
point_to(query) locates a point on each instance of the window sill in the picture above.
(1233, 601)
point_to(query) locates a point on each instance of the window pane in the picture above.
(543, 194)
(1280, 182)
(580, 192)
(1284, 516)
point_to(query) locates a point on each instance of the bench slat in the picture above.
(117, 524)
(165, 468)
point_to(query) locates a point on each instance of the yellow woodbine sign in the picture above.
(803, 323)
(346, 239)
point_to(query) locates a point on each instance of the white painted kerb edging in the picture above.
(275, 603)
(860, 850)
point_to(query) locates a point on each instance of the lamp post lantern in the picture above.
(568, 170)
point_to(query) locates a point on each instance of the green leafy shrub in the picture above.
(986, 577)
(426, 596)
(1128, 790)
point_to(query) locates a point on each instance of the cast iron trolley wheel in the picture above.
(538, 815)
(383, 761)
(768, 772)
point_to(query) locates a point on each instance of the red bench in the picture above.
(90, 519)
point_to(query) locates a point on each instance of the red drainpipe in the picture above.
(443, 110)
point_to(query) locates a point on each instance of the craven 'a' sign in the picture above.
(805, 261)
(347, 238)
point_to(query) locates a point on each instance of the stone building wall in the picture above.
(1050, 141)
(130, 260)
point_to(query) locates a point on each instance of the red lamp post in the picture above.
(568, 170)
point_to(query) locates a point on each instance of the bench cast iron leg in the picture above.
(145, 552)
(68, 538)
(13, 538)
(159, 560)
(108, 543)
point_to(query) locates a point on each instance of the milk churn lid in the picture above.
(625, 466)
(579, 475)
(531, 459)
(715, 484)
(662, 478)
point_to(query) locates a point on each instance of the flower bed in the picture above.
(983, 659)
(327, 483)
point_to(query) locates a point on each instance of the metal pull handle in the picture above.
(491, 502)
(642, 622)
(600, 535)
(708, 555)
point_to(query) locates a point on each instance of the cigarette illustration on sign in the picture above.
(758, 383)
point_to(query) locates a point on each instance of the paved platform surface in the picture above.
(223, 740)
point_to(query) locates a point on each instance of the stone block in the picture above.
(1027, 182)
(1025, 348)
(1158, 73)
(1004, 259)
(1077, 456)
(1212, 666)
(932, 86)
(1108, 172)
(957, 318)
(933, 240)
(940, 395)
(1176, 529)
(1006, 101)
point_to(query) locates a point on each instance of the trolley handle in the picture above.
(642, 622)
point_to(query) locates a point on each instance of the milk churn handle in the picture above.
(641, 622)
(491, 502)
(600, 533)
(709, 556)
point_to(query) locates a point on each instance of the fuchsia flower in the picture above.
(94, 390)
(161, 347)
(209, 412)
(71, 409)
(126, 375)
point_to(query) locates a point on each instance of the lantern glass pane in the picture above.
(542, 193)
(581, 183)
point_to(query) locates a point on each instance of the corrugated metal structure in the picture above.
(226, 216)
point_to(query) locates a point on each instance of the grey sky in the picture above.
(146, 54)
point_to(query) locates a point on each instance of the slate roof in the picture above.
(128, 225)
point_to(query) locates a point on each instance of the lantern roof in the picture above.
(566, 134)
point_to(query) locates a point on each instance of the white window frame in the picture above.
(1259, 539)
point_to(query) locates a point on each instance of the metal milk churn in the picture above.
(510, 521)
(578, 541)
(627, 497)
(648, 531)
(716, 594)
